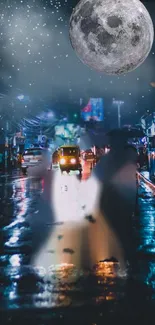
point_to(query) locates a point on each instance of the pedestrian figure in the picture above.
(116, 173)
(94, 217)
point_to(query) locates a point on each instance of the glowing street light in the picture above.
(118, 103)
(50, 114)
(20, 97)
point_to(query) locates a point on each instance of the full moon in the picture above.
(111, 36)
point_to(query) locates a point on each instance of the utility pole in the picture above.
(6, 143)
(119, 103)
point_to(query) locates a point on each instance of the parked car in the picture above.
(31, 157)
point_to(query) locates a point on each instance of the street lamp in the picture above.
(20, 97)
(118, 103)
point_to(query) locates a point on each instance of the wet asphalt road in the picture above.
(22, 287)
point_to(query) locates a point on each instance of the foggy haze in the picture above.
(37, 58)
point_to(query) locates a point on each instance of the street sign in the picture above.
(18, 134)
(42, 138)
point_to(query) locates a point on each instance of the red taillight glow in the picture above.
(22, 160)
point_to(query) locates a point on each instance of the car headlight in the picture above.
(62, 161)
(73, 161)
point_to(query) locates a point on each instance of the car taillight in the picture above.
(22, 160)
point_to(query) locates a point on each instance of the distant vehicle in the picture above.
(69, 158)
(31, 157)
(55, 157)
(89, 156)
(106, 150)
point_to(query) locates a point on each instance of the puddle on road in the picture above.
(24, 286)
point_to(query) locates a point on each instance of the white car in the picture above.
(31, 157)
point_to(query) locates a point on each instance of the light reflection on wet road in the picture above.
(23, 286)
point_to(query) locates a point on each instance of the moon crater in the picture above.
(89, 25)
(114, 21)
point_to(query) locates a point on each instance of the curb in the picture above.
(147, 181)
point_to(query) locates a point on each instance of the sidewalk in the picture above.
(144, 175)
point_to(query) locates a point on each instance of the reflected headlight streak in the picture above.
(15, 260)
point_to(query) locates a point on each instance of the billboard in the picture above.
(94, 110)
(67, 131)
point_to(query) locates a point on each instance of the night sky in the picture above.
(37, 60)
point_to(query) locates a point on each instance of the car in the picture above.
(31, 157)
